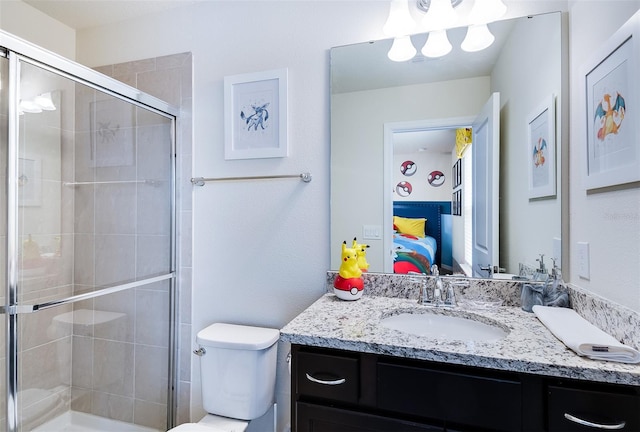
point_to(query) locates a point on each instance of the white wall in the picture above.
(26, 22)
(609, 221)
(527, 227)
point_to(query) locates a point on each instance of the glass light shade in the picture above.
(402, 49)
(399, 22)
(486, 11)
(29, 107)
(478, 38)
(437, 44)
(44, 101)
(439, 16)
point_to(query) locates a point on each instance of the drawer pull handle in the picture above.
(334, 382)
(594, 425)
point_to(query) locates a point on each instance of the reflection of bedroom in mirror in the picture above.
(427, 178)
(372, 96)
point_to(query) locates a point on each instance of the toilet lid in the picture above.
(239, 337)
(195, 427)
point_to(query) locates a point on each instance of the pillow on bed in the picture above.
(411, 226)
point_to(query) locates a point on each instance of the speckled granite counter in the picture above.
(529, 347)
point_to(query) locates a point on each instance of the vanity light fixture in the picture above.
(486, 11)
(478, 38)
(45, 102)
(437, 44)
(37, 105)
(27, 106)
(439, 14)
(399, 23)
(402, 49)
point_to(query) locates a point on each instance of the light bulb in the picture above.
(44, 101)
(486, 11)
(402, 49)
(478, 38)
(437, 44)
(399, 22)
(29, 107)
(439, 16)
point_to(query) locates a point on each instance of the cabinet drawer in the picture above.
(327, 376)
(317, 418)
(458, 399)
(597, 407)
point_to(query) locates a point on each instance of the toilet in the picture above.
(238, 375)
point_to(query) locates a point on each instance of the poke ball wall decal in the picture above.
(408, 168)
(404, 189)
(436, 178)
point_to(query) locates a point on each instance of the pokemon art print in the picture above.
(611, 117)
(541, 150)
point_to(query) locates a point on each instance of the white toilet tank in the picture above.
(238, 369)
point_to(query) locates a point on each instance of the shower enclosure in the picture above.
(87, 222)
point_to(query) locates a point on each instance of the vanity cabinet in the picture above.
(571, 407)
(335, 390)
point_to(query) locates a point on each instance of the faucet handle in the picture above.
(542, 268)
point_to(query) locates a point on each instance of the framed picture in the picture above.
(255, 115)
(113, 138)
(457, 173)
(541, 150)
(29, 182)
(456, 203)
(611, 96)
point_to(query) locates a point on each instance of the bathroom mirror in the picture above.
(371, 94)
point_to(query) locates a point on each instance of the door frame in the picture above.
(387, 182)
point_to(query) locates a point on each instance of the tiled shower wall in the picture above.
(169, 78)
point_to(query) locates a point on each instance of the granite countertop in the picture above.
(528, 347)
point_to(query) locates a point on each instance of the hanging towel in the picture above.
(583, 337)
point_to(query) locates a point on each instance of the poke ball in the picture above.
(408, 168)
(348, 289)
(404, 189)
(436, 178)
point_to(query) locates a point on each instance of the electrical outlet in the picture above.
(583, 260)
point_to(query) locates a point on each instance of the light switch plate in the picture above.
(371, 232)
(583, 260)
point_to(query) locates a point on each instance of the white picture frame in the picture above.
(541, 150)
(255, 113)
(609, 100)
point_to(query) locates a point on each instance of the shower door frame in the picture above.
(17, 50)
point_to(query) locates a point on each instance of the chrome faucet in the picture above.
(424, 297)
(434, 294)
(437, 291)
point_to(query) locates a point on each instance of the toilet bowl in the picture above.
(238, 372)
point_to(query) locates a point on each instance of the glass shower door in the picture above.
(95, 263)
(4, 122)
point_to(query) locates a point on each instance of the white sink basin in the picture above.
(440, 326)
